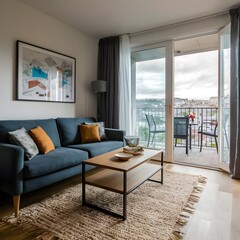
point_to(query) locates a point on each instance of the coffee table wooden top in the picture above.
(110, 161)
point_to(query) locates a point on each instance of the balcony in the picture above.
(208, 156)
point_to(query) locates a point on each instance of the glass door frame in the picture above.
(169, 86)
(169, 111)
(222, 164)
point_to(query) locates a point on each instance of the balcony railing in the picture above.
(202, 114)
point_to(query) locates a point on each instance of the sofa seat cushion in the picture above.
(56, 160)
(95, 149)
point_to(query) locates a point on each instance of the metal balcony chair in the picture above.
(208, 128)
(181, 126)
(152, 128)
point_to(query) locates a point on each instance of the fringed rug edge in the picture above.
(188, 209)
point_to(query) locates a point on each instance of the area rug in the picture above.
(154, 211)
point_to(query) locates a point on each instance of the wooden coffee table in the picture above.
(120, 176)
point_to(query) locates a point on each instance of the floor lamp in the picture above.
(98, 86)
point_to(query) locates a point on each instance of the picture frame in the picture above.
(44, 75)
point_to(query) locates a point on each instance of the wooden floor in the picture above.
(217, 216)
(208, 157)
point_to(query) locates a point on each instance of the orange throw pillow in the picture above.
(89, 133)
(42, 140)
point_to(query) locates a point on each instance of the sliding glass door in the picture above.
(224, 97)
(150, 107)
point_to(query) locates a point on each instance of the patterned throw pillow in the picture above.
(101, 129)
(21, 138)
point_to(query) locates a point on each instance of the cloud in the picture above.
(151, 66)
(196, 77)
(150, 77)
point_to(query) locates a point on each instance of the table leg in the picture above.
(190, 137)
(162, 167)
(83, 185)
(124, 195)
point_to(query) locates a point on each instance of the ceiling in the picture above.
(181, 47)
(196, 44)
(101, 18)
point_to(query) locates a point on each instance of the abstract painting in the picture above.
(44, 75)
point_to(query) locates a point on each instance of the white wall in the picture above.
(19, 21)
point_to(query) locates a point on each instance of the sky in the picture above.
(196, 77)
(150, 76)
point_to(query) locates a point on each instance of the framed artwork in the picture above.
(44, 75)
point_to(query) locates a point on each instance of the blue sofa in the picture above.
(18, 175)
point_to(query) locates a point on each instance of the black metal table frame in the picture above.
(125, 192)
(190, 124)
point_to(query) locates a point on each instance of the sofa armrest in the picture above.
(11, 168)
(115, 134)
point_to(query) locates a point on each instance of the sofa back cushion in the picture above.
(49, 126)
(69, 129)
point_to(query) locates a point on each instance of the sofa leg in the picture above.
(16, 204)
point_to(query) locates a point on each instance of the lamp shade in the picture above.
(98, 86)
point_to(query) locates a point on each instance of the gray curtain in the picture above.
(235, 94)
(108, 70)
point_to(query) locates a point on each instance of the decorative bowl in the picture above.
(133, 150)
(124, 156)
(132, 141)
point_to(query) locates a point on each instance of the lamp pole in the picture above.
(98, 106)
(98, 87)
